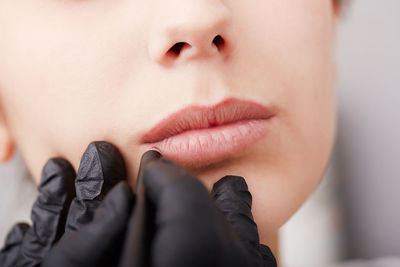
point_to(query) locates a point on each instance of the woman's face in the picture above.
(72, 72)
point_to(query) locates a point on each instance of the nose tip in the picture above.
(190, 33)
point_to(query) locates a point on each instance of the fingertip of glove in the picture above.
(101, 156)
(112, 162)
(231, 192)
(100, 148)
(102, 167)
(57, 177)
(230, 183)
(149, 156)
(56, 167)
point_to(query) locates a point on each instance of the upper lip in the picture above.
(201, 117)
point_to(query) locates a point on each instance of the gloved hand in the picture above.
(88, 231)
(190, 228)
(185, 226)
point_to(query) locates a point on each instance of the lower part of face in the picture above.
(77, 71)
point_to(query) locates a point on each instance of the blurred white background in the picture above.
(355, 212)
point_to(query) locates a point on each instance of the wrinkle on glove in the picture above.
(99, 213)
(139, 236)
(175, 222)
(95, 227)
(10, 252)
(190, 230)
(27, 245)
(98, 243)
(101, 168)
(234, 200)
(195, 229)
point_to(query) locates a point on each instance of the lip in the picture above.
(199, 135)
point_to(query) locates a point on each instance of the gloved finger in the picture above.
(49, 211)
(147, 158)
(99, 242)
(141, 222)
(101, 168)
(185, 217)
(10, 252)
(232, 197)
(175, 192)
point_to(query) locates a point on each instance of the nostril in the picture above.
(176, 49)
(219, 42)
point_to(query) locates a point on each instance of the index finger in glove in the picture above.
(188, 224)
(49, 211)
(141, 223)
(175, 192)
(232, 197)
(101, 168)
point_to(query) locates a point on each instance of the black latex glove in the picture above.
(91, 229)
(190, 227)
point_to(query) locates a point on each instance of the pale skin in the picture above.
(72, 72)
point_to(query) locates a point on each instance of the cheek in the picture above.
(58, 85)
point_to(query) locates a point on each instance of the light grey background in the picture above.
(368, 143)
(17, 194)
(365, 170)
(355, 212)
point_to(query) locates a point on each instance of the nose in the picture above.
(189, 29)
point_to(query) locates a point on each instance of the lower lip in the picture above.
(210, 145)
